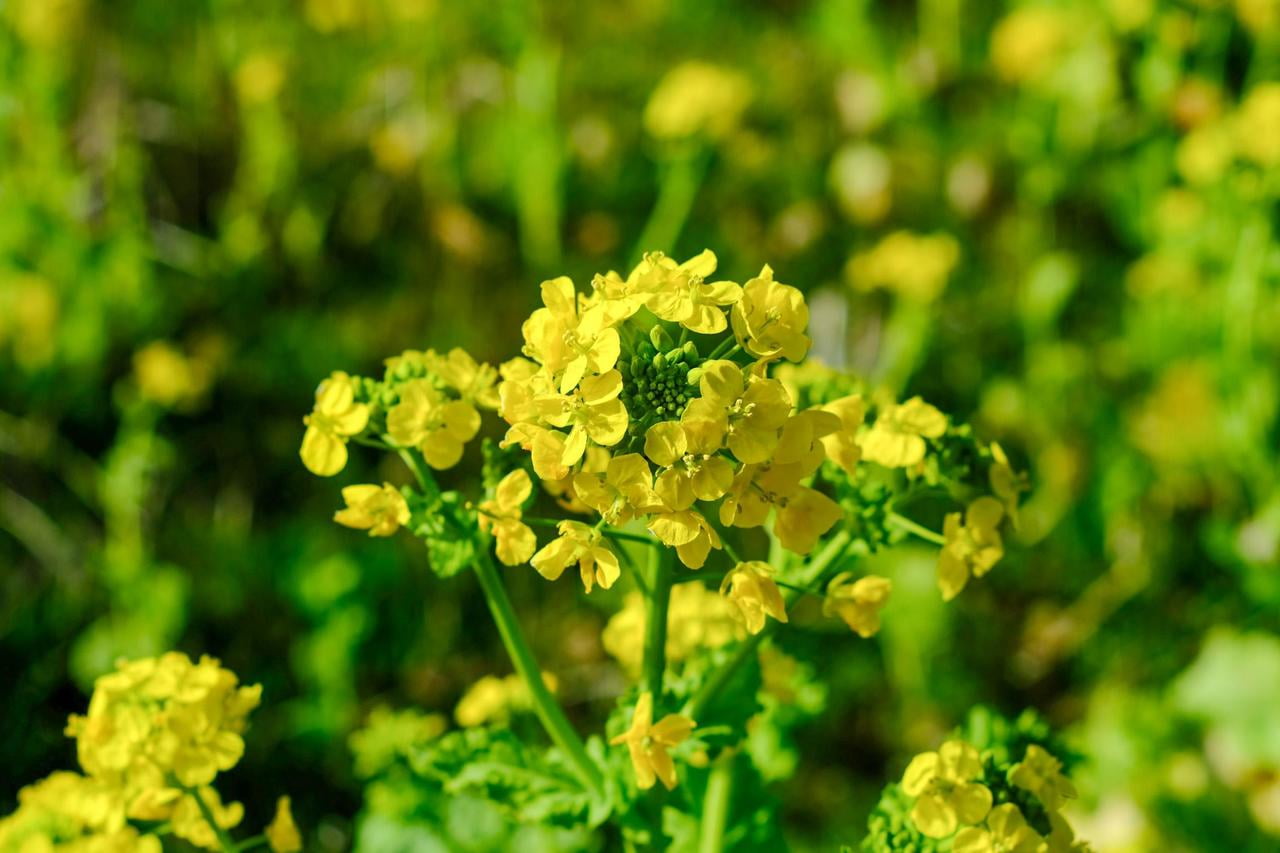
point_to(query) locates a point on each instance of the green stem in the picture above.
(225, 841)
(681, 177)
(611, 532)
(250, 843)
(918, 529)
(715, 806)
(424, 478)
(544, 703)
(655, 630)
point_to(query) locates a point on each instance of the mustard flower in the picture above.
(688, 454)
(804, 514)
(749, 413)
(381, 510)
(500, 517)
(189, 823)
(696, 98)
(769, 321)
(282, 833)
(896, 439)
(946, 794)
(971, 548)
(842, 444)
(592, 411)
(436, 425)
(493, 699)
(914, 266)
(1006, 483)
(1041, 774)
(857, 602)
(334, 419)
(800, 442)
(623, 490)
(751, 590)
(567, 342)
(679, 294)
(649, 742)
(546, 448)
(1258, 125)
(582, 544)
(476, 383)
(688, 532)
(1006, 832)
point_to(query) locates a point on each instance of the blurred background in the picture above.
(1054, 219)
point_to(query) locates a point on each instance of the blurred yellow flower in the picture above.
(1006, 483)
(381, 510)
(770, 319)
(168, 377)
(697, 618)
(857, 602)
(476, 383)
(749, 413)
(750, 588)
(688, 532)
(692, 467)
(500, 516)
(971, 548)
(436, 425)
(335, 418)
(896, 439)
(282, 833)
(946, 794)
(697, 98)
(842, 445)
(493, 699)
(1204, 154)
(913, 266)
(1027, 43)
(259, 77)
(1041, 774)
(1006, 832)
(649, 742)
(189, 823)
(29, 311)
(1258, 125)
(582, 544)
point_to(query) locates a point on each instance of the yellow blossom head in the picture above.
(334, 419)
(381, 510)
(946, 793)
(696, 98)
(857, 602)
(752, 591)
(649, 743)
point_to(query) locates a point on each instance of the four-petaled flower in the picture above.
(678, 294)
(688, 532)
(381, 510)
(692, 469)
(592, 411)
(623, 490)
(857, 602)
(436, 425)
(971, 548)
(1041, 774)
(842, 444)
(1006, 832)
(770, 319)
(336, 417)
(946, 794)
(896, 439)
(754, 594)
(569, 342)
(500, 516)
(582, 544)
(649, 743)
(749, 413)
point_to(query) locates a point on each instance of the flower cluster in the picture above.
(157, 733)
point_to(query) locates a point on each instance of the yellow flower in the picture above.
(426, 419)
(381, 510)
(582, 544)
(896, 440)
(842, 445)
(475, 383)
(1028, 43)
(493, 699)
(946, 795)
(335, 418)
(770, 319)
(1041, 774)
(592, 410)
(689, 533)
(648, 743)
(188, 821)
(625, 489)
(692, 468)
(1006, 483)
(546, 448)
(168, 377)
(751, 589)
(500, 516)
(566, 342)
(696, 619)
(1258, 125)
(1006, 832)
(857, 602)
(678, 294)
(164, 715)
(697, 98)
(801, 440)
(915, 266)
(804, 514)
(282, 833)
(971, 548)
(748, 413)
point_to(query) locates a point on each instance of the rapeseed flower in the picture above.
(688, 532)
(842, 445)
(857, 602)
(692, 468)
(750, 588)
(972, 547)
(1041, 774)
(748, 412)
(582, 544)
(568, 342)
(679, 294)
(282, 833)
(621, 492)
(770, 319)
(500, 517)
(947, 796)
(381, 510)
(334, 419)
(649, 742)
(897, 438)
(592, 411)
(438, 426)
(476, 383)
(1006, 831)
(1006, 483)
(697, 99)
